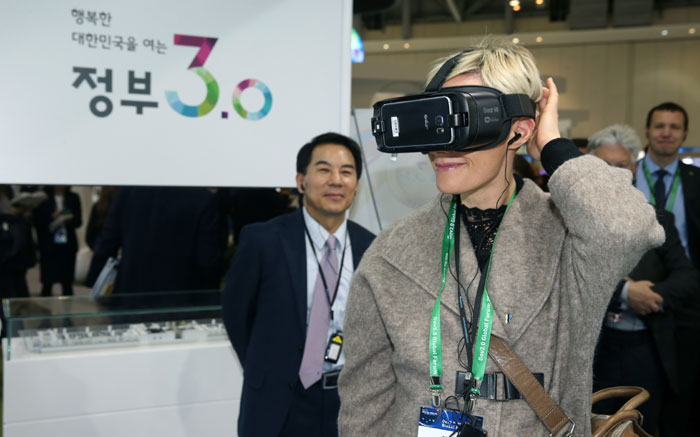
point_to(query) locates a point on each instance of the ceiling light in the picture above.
(664, 32)
(691, 31)
(406, 45)
(538, 39)
(539, 2)
(514, 3)
(516, 40)
(386, 46)
(516, 8)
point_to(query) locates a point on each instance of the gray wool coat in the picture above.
(555, 265)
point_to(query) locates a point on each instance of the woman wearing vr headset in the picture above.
(492, 255)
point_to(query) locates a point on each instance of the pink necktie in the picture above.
(317, 332)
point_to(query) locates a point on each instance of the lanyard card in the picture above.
(444, 423)
(335, 346)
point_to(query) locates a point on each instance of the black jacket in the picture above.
(169, 240)
(264, 311)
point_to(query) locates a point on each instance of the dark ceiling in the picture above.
(376, 14)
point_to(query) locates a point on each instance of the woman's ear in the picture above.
(521, 131)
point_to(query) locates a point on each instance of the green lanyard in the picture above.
(485, 318)
(674, 188)
(435, 343)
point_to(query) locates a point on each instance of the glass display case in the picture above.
(123, 364)
(48, 325)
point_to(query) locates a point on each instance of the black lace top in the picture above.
(482, 226)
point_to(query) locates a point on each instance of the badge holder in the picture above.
(334, 348)
(60, 236)
(435, 422)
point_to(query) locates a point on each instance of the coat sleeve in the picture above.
(367, 383)
(609, 223)
(239, 298)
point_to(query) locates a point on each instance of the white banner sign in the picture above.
(207, 93)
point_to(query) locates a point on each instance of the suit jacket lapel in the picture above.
(689, 177)
(294, 246)
(358, 245)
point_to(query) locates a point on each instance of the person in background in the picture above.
(17, 249)
(670, 184)
(666, 181)
(640, 324)
(285, 295)
(98, 215)
(56, 220)
(169, 239)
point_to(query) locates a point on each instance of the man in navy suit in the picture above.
(668, 182)
(285, 295)
(673, 185)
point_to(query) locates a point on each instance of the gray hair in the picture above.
(616, 135)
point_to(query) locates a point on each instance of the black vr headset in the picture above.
(452, 118)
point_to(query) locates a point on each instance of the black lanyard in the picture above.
(460, 299)
(320, 270)
(470, 335)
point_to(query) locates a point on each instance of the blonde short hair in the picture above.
(508, 67)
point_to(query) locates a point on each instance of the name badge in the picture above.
(60, 236)
(334, 348)
(448, 423)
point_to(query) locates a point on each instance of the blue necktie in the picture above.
(660, 189)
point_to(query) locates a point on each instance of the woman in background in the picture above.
(56, 220)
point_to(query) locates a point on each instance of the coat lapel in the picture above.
(523, 268)
(525, 261)
(292, 237)
(420, 259)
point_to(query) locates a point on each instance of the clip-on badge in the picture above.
(334, 348)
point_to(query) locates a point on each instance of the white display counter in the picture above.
(175, 389)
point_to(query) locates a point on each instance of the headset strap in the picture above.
(439, 78)
(518, 105)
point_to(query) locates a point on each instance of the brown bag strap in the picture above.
(619, 417)
(637, 394)
(551, 415)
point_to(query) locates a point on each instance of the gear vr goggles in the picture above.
(453, 118)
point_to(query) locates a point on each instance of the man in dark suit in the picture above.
(668, 182)
(674, 185)
(663, 294)
(284, 300)
(169, 238)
